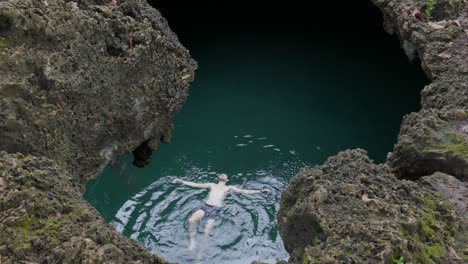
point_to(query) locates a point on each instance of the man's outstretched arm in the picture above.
(192, 184)
(245, 191)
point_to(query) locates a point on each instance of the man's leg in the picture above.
(209, 227)
(193, 220)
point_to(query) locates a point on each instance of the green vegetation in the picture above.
(401, 260)
(433, 233)
(430, 213)
(460, 7)
(436, 250)
(430, 6)
(452, 30)
(34, 227)
(455, 144)
(428, 223)
(3, 44)
(381, 241)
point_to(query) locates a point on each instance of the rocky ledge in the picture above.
(81, 82)
(43, 219)
(350, 210)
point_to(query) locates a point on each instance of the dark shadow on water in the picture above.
(278, 88)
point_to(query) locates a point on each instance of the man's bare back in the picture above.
(214, 202)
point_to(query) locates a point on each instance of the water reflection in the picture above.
(247, 229)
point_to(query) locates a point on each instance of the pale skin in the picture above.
(216, 196)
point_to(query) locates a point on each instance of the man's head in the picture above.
(223, 178)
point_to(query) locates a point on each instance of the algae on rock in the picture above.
(3, 45)
(430, 141)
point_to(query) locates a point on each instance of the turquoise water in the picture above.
(259, 110)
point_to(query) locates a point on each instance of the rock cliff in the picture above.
(84, 81)
(349, 210)
(436, 138)
(81, 82)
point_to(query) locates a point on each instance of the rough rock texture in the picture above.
(81, 82)
(436, 138)
(432, 140)
(450, 188)
(43, 219)
(349, 210)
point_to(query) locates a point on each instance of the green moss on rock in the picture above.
(435, 251)
(4, 43)
(435, 230)
(454, 144)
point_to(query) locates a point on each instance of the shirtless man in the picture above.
(213, 205)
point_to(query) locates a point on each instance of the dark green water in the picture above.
(259, 110)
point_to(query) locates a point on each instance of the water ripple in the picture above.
(247, 229)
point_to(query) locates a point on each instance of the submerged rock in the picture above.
(349, 210)
(81, 82)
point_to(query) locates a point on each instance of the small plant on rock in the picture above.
(430, 6)
(401, 260)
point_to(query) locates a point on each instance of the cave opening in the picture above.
(279, 87)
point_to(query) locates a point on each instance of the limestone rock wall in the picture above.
(349, 210)
(84, 81)
(81, 82)
(436, 138)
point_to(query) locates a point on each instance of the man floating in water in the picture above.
(213, 205)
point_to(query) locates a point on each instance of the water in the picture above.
(260, 109)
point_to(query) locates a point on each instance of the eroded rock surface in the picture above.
(433, 139)
(349, 210)
(43, 219)
(84, 81)
(450, 188)
(81, 82)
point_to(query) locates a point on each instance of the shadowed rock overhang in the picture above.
(81, 82)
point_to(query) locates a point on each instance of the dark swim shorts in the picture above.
(211, 211)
